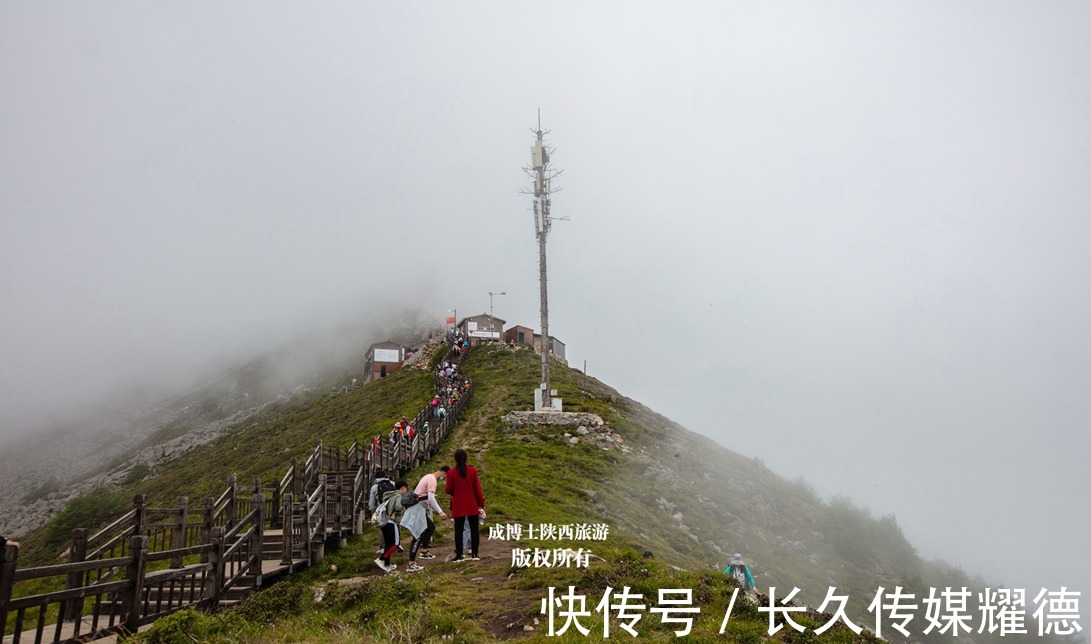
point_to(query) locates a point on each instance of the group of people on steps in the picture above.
(394, 507)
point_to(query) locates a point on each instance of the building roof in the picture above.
(385, 345)
(482, 315)
(552, 337)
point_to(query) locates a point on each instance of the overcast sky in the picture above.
(849, 238)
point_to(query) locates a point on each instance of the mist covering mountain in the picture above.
(660, 487)
(848, 240)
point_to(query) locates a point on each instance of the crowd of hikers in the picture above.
(395, 506)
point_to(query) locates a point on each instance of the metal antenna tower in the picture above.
(543, 175)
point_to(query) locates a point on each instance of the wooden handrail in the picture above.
(223, 497)
(238, 525)
(127, 532)
(123, 518)
(22, 574)
(223, 548)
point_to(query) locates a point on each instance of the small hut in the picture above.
(383, 359)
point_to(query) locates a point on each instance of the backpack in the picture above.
(409, 499)
(390, 509)
(382, 486)
(380, 517)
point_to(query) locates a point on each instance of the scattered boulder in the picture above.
(552, 419)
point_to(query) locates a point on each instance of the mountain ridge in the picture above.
(663, 489)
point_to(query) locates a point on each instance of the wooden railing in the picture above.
(121, 594)
(151, 562)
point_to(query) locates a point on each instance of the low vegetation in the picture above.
(676, 503)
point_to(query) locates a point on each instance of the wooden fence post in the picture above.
(322, 507)
(286, 530)
(206, 529)
(307, 522)
(140, 507)
(7, 580)
(255, 491)
(356, 525)
(77, 552)
(257, 543)
(215, 578)
(138, 551)
(343, 482)
(273, 522)
(293, 484)
(178, 534)
(232, 492)
(336, 498)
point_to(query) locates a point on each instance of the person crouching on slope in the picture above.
(467, 502)
(426, 492)
(390, 511)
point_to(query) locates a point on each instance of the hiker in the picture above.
(741, 572)
(389, 512)
(418, 516)
(374, 495)
(379, 488)
(5, 542)
(398, 431)
(426, 491)
(467, 503)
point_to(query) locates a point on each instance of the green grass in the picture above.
(534, 475)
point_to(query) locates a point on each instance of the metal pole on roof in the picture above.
(490, 302)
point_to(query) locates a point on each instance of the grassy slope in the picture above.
(790, 537)
(530, 477)
(262, 448)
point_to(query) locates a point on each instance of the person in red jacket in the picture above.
(467, 502)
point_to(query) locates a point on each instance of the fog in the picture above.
(848, 239)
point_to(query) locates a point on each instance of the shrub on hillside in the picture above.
(90, 510)
(136, 475)
(184, 627)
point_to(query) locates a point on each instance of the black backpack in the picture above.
(383, 486)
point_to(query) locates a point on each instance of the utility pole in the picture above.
(490, 302)
(543, 175)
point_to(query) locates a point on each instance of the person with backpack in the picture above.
(387, 515)
(738, 569)
(375, 494)
(426, 495)
(379, 488)
(467, 503)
